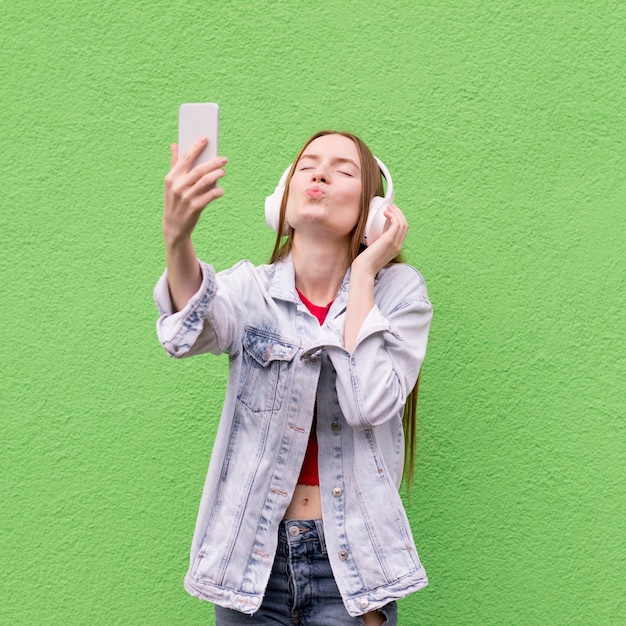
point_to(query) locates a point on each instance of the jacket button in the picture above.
(343, 555)
(337, 491)
(363, 603)
(335, 427)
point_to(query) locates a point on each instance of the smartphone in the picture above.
(197, 119)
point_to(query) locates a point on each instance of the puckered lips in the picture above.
(315, 192)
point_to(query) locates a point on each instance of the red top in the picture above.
(309, 474)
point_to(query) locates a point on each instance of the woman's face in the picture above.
(325, 190)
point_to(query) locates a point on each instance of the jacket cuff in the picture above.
(178, 330)
(331, 336)
(374, 322)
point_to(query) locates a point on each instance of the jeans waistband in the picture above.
(296, 531)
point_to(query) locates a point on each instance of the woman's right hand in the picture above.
(188, 192)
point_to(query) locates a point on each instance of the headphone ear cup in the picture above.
(272, 205)
(375, 225)
(272, 210)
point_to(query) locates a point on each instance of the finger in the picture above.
(174, 150)
(185, 160)
(208, 180)
(397, 228)
(394, 210)
(198, 172)
(213, 194)
(395, 216)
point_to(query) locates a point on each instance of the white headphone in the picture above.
(375, 217)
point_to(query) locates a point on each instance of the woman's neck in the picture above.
(320, 268)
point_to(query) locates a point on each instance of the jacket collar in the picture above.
(282, 285)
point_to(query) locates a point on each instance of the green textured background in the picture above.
(504, 126)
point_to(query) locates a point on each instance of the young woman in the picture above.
(300, 520)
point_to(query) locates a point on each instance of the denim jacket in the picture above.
(281, 361)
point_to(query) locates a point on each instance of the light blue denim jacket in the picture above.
(280, 362)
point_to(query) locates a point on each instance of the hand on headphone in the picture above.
(189, 191)
(387, 247)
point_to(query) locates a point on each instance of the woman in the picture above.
(300, 520)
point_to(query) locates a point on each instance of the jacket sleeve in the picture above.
(375, 380)
(208, 322)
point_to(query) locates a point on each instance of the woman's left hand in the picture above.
(387, 246)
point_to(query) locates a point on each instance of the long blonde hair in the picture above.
(372, 185)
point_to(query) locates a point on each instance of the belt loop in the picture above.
(320, 533)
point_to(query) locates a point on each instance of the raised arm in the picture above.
(384, 339)
(187, 194)
(364, 269)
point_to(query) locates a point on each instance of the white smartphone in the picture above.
(197, 119)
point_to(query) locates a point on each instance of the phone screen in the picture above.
(197, 119)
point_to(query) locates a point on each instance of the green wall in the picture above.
(504, 126)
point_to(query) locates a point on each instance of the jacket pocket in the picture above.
(267, 361)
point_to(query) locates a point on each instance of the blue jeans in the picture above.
(301, 590)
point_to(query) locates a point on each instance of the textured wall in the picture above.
(504, 126)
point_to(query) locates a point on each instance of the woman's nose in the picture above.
(319, 175)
